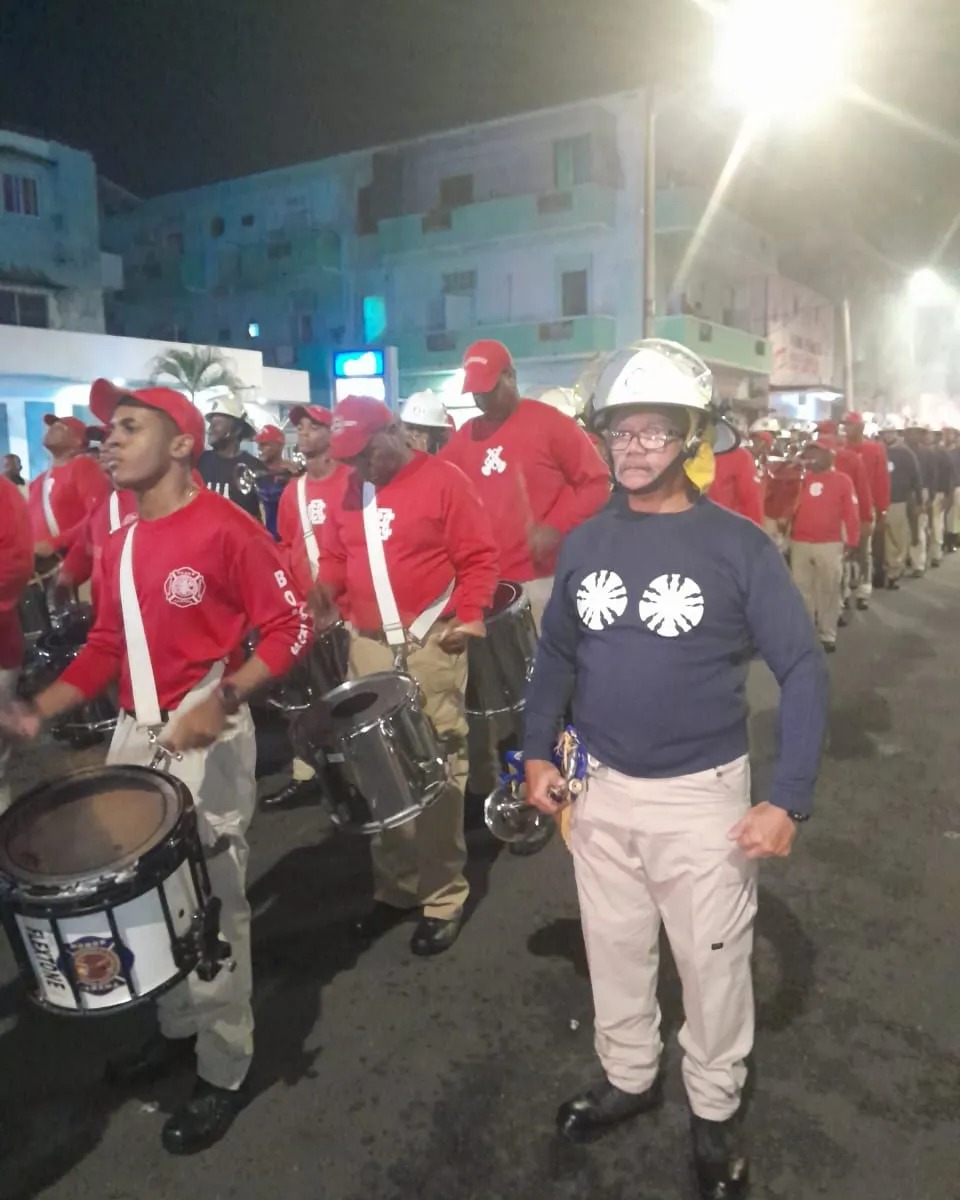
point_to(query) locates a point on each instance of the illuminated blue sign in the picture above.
(358, 364)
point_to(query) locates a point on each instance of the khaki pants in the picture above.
(652, 850)
(896, 541)
(953, 516)
(8, 689)
(486, 734)
(817, 571)
(918, 546)
(221, 779)
(421, 862)
(936, 529)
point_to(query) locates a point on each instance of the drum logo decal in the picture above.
(601, 598)
(671, 605)
(493, 463)
(99, 963)
(184, 587)
(317, 511)
(816, 489)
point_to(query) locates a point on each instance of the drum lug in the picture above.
(204, 944)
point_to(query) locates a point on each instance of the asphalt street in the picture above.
(382, 1077)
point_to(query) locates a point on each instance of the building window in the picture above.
(460, 283)
(24, 308)
(571, 161)
(20, 196)
(217, 226)
(305, 328)
(374, 318)
(573, 286)
(253, 330)
(223, 336)
(247, 220)
(456, 191)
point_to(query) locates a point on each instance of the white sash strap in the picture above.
(383, 589)
(143, 684)
(114, 512)
(309, 536)
(45, 489)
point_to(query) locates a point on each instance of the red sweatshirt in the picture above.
(853, 466)
(828, 510)
(77, 487)
(322, 494)
(873, 455)
(736, 485)
(434, 531)
(535, 468)
(16, 567)
(82, 561)
(205, 575)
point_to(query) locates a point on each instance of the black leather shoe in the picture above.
(154, 1059)
(379, 919)
(203, 1120)
(719, 1159)
(843, 621)
(893, 585)
(433, 936)
(297, 791)
(588, 1116)
(829, 647)
(862, 605)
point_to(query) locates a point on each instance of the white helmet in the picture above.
(228, 404)
(426, 410)
(564, 400)
(765, 425)
(658, 372)
(893, 423)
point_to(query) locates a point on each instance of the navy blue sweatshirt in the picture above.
(650, 630)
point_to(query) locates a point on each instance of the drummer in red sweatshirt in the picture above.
(16, 567)
(738, 485)
(852, 465)
(533, 467)
(68, 491)
(418, 588)
(826, 525)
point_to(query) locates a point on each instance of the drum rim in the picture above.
(402, 677)
(67, 890)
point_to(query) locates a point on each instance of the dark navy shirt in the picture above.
(650, 630)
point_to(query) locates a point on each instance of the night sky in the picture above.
(169, 93)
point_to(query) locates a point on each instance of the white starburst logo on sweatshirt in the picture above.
(601, 598)
(671, 605)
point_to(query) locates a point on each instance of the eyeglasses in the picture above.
(652, 439)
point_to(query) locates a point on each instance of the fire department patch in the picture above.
(184, 587)
(98, 964)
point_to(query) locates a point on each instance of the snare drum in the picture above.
(48, 659)
(499, 665)
(104, 891)
(323, 668)
(375, 750)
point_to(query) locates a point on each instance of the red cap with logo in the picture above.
(483, 364)
(355, 420)
(831, 428)
(270, 433)
(853, 418)
(106, 396)
(74, 424)
(319, 416)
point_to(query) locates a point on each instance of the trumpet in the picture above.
(506, 812)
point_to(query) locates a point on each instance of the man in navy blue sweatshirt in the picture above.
(658, 605)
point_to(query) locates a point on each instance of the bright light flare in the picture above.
(927, 289)
(783, 58)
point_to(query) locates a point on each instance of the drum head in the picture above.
(93, 823)
(361, 703)
(506, 595)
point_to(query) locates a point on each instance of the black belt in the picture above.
(164, 715)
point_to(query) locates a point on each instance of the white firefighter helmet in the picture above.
(892, 423)
(228, 404)
(426, 410)
(656, 372)
(564, 400)
(765, 425)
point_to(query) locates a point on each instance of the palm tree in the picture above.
(194, 371)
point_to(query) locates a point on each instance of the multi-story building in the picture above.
(527, 229)
(53, 274)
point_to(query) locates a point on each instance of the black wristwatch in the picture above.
(798, 818)
(229, 698)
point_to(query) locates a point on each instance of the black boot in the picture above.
(296, 792)
(203, 1120)
(154, 1059)
(379, 919)
(590, 1114)
(719, 1159)
(433, 936)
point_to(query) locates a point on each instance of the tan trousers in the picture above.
(652, 850)
(8, 689)
(817, 571)
(896, 541)
(222, 780)
(421, 862)
(938, 506)
(953, 516)
(918, 546)
(485, 735)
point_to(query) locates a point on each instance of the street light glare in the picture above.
(926, 288)
(782, 57)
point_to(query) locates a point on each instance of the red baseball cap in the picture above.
(106, 396)
(483, 364)
(270, 433)
(319, 416)
(74, 424)
(831, 428)
(355, 420)
(853, 418)
(829, 441)
(763, 436)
